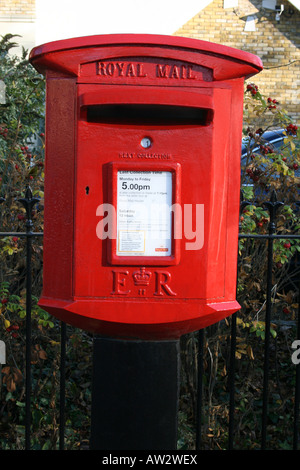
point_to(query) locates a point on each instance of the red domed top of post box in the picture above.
(69, 54)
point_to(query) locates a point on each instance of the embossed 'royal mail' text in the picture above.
(143, 70)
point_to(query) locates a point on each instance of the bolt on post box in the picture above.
(142, 178)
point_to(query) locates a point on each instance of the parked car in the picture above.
(275, 138)
(263, 144)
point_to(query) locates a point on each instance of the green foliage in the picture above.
(22, 165)
(21, 160)
(262, 172)
(21, 122)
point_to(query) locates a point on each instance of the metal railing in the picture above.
(272, 206)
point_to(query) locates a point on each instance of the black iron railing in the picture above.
(272, 206)
(28, 203)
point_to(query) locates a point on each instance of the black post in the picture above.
(135, 394)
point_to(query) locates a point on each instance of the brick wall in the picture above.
(17, 8)
(17, 17)
(276, 43)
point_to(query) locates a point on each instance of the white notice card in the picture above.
(144, 217)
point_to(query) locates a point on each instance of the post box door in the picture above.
(184, 146)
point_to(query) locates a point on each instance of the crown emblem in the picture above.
(141, 277)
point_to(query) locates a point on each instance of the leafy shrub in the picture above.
(266, 174)
(21, 166)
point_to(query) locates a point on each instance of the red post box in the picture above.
(142, 182)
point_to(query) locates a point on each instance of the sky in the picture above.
(61, 19)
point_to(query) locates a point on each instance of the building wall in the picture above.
(275, 42)
(18, 17)
(13, 8)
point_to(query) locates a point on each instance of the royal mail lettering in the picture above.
(145, 70)
(174, 71)
(120, 69)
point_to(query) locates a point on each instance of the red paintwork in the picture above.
(85, 283)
